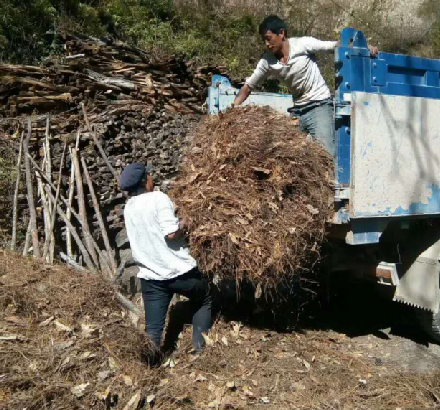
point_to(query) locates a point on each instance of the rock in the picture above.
(121, 238)
(128, 281)
(126, 257)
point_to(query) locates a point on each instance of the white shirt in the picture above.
(300, 74)
(149, 218)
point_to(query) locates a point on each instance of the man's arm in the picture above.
(179, 233)
(242, 95)
(169, 224)
(373, 49)
(312, 45)
(258, 76)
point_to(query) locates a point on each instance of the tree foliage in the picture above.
(215, 31)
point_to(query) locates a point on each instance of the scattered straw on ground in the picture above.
(66, 344)
(64, 340)
(245, 367)
(256, 194)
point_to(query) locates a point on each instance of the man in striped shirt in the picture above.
(292, 61)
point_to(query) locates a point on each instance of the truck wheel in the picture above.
(430, 323)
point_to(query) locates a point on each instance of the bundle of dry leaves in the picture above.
(256, 194)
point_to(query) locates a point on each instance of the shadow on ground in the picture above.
(355, 309)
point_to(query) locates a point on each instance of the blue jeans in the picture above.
(316, 118)
(157, 295)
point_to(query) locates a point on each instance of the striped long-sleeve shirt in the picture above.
(300, 74)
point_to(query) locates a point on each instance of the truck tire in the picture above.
(430, 323)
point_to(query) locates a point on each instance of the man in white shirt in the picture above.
(292, 61)
(158, 245)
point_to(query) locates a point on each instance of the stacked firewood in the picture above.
(114, 78)
(113, 105)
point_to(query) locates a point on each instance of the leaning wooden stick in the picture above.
(75, 235)
(49, 244)
(43, 198)
(65, 202)
(15, 203)
(82, 207)
(121, 298)
(101, 150)
(30, 193)
(47, 150)
(99, 216)
(128, 304)
(72, 262)
(49, 174)
(27, 240)
(70, 196)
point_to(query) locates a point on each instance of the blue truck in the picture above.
(386, 224)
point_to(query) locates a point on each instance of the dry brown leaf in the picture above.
(201, 378)
(62, 327)
(133, 402)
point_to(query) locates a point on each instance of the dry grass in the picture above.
(256, 194)
(62, 329)
(47, 355)
(245, 367)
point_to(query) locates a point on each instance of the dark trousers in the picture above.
(157, 295)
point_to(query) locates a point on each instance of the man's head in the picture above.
(273, 31)
(136, 178)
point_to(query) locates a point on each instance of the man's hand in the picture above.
(183, 227)
(373, 51)
(242, 95)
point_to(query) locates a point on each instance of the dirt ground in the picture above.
(359, 351)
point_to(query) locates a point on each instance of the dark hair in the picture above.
(274, 24)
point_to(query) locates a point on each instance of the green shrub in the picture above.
(211, 31)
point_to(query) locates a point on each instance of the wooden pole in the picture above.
(27, 241)
(70, 196)
(44, 201)
(128, 304)
(49, 174)
(82, 207)
(100, 220)
(54, 213)
(75, 235)
(65, 202)
(72, 262)
(101, 150)
(121, 298)
(47, 145)
(15, 201)
(30, 193)
(49, 245)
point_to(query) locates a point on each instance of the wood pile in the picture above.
(110, 102)
(115, 78)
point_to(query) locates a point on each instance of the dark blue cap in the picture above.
(132, 176)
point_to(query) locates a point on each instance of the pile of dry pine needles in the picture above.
(256, 194)
(65, 342)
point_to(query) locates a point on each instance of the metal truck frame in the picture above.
(387, 169)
